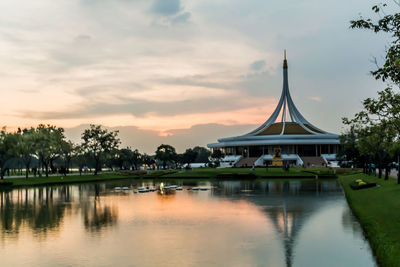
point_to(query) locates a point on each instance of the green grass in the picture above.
(199, 173)
(64, 179)
(378, 210)
(258, 172)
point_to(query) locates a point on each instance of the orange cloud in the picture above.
(316, 98)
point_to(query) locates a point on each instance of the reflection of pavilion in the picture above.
(288, 205)
(288, 223)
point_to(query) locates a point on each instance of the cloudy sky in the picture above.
(184, 72)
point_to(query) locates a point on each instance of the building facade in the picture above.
(285, 138)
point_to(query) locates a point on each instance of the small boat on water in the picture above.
(170, 187)
(179, 188)
(195, 188)
(143, 190)
(117, 188)
(125, 188)
(203, 188)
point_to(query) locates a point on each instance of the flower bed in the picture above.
(361, 184)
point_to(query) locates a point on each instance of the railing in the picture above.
(229, 161)
(328, 157)
(260, 160)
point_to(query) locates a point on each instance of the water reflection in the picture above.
(293, 202)
(235, 223)
(43, 209)
(35, 208)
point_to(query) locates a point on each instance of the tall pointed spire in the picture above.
(284, 60)
(286, 107)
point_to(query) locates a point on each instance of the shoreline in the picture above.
(376, 209)
(195, 174)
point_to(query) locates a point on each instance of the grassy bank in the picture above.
(378, 210)
(248, 172)
(200, 173)
(52, 180)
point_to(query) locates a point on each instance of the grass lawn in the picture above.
(199, 173)
(378, 210)
(258, 173)
(64, 179)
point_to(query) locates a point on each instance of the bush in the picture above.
(361, 184)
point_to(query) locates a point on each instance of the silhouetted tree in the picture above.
(379, 121)
(203, 154)
(189, 156)
(97, 142)
(165, 154)
(7, 150)
(48, 139)
(25, 147)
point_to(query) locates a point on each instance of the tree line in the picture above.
(372, 138)
(45, 150)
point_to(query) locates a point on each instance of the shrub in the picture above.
(360, 184)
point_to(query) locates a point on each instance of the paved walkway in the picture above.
(392, 174)
(50, 175)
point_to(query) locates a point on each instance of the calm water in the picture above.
(235, 223)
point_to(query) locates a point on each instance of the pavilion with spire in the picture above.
(285, 138)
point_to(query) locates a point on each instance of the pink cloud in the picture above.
(316, 98)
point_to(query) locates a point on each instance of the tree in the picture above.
(120, 158)
(25, 147)
(380, 118)
(349, 151)
(165, 154)
(147, 160)
(97, 142)
(67, 151)
(112, 158)
(48, 140)
(390, 24)
(135, 158)
(217, 155)
(80, 157)
(131, 157)
(7, 150)
(189, 156)
(375, 141)
(203, 154)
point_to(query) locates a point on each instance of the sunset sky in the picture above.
(181, 72)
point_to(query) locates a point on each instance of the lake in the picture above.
(233, 223)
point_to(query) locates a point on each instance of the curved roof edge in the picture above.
(332, 141)
(280, 137)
